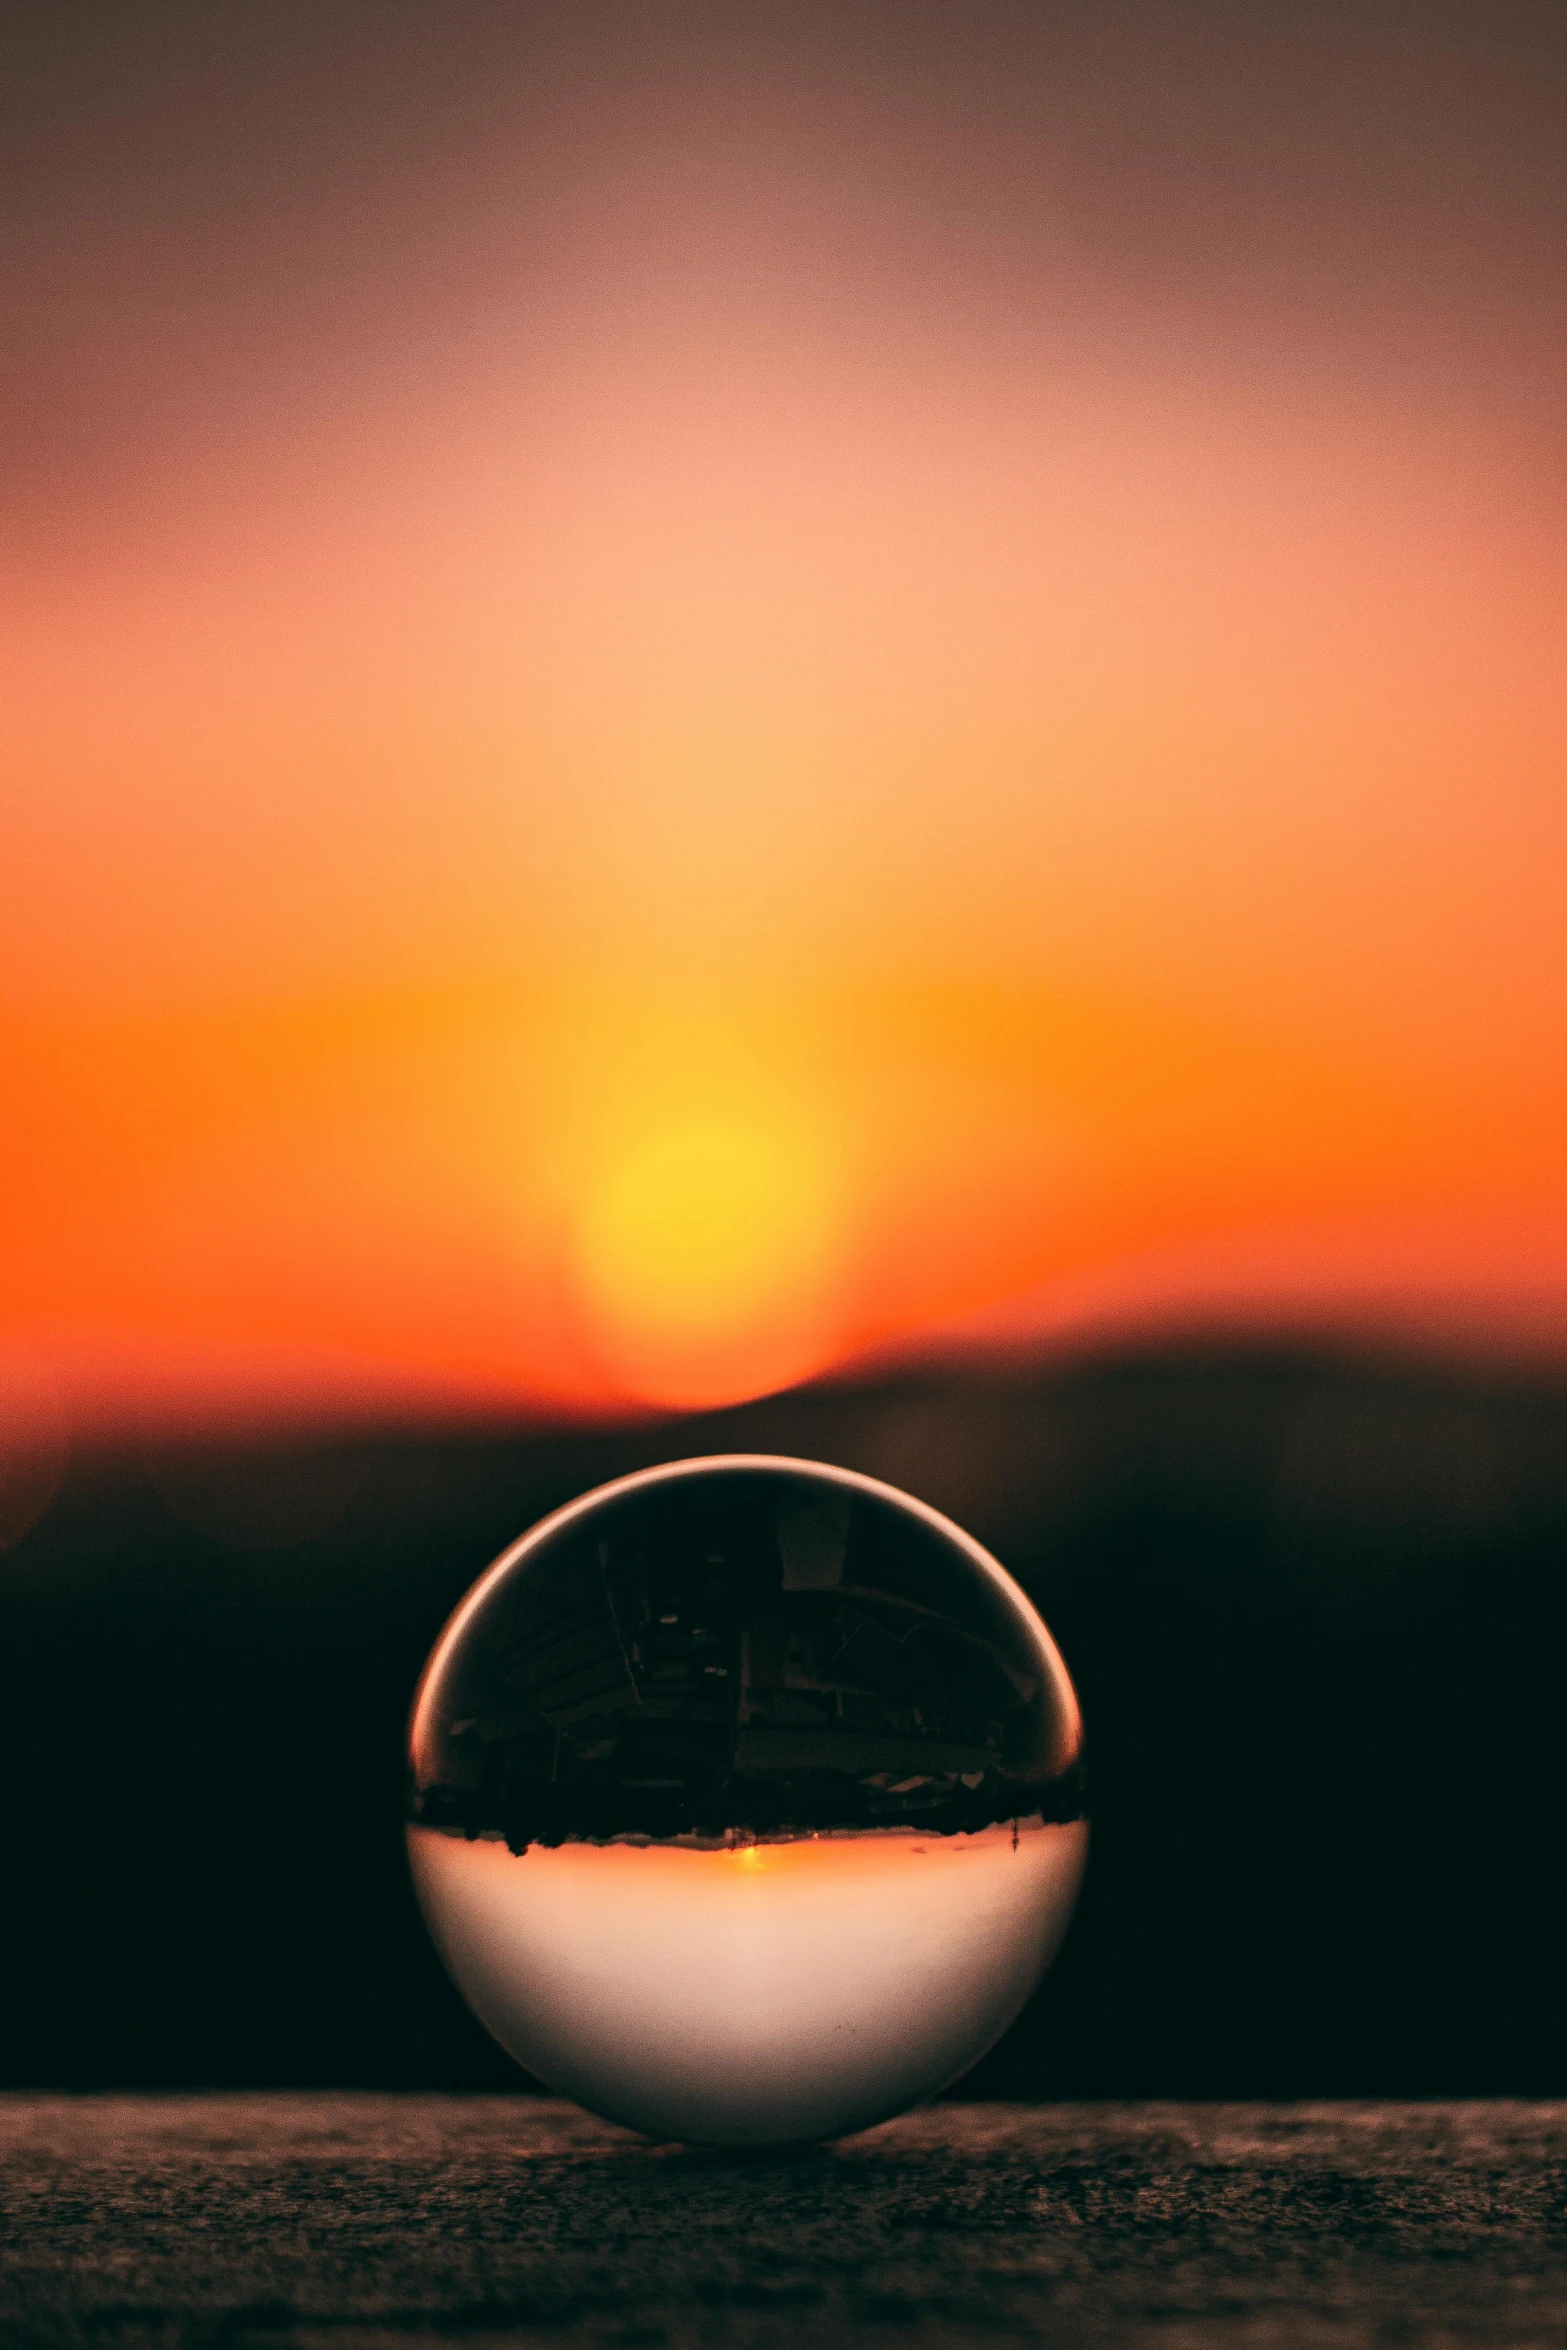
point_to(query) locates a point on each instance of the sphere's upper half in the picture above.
(744, 1645)
(745, 1801)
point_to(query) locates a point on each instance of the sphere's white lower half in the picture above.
(756, 1996)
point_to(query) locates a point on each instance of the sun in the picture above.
(705, 1256)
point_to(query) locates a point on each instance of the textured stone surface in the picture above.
(271, 2223)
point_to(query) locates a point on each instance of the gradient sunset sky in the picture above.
(688, 690)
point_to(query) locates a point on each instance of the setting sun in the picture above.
(705, 1256)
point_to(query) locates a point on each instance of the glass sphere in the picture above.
(745, 1801)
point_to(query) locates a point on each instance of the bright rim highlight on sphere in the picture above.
(746, 1801)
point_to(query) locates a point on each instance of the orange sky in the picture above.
(673, 712)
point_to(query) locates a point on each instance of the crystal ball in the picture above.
(745, 1801)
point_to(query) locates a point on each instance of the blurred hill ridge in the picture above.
(1313, 1601)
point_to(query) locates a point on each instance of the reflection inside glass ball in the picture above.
(746, 1801)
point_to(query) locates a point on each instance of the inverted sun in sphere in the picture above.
(746, 1801)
